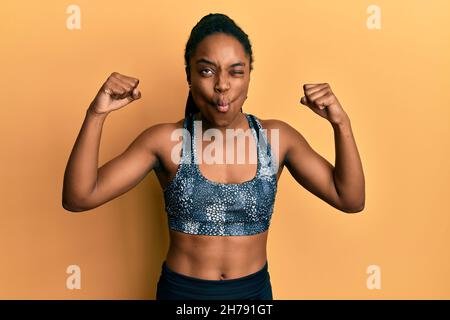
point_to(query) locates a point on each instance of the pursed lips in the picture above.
(222, 105)
(222, 102)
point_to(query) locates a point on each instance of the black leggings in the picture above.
(175, 286)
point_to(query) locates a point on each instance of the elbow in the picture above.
(352, 201)
(354, 208)
(77, 202)
(72, 206)
(354, 205)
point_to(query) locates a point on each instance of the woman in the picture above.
(218, 214)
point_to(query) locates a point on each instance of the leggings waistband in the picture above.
(173, 284)
(260, 274)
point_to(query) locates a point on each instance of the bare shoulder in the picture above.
(158, 138)
(286, 132)
(273, 123)
(281, 134)
(163, 128)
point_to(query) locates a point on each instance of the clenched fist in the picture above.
(117, 91)
(320, 99)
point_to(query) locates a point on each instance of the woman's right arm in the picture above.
(85, 186)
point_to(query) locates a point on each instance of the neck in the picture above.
(239, 122)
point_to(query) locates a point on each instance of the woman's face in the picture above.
(219, 78)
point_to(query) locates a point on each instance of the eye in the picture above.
(206, 70)
(201, 71)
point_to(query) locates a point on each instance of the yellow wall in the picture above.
(392, 82)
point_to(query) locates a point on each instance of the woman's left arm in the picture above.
(343, 185)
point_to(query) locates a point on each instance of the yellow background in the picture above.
(392, 82)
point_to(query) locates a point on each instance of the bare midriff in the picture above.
(216, 257)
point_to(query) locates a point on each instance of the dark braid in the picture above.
(210, 24)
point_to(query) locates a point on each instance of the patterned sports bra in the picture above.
(197, 205)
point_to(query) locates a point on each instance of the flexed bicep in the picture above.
(309, 168)
(125, 171)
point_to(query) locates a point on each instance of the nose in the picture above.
(222, 83)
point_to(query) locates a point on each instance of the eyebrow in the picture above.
(204, 60)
